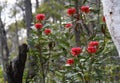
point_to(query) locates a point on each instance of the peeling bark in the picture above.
(111, 10)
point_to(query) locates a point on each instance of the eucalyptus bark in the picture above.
(111, 9)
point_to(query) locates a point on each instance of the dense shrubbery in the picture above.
(61, 57)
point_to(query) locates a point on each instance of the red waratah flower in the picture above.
(103, 19)
(91, 49)
(38, 25)
(71, 11)
(93, 43)
(47, 31)
(76, 51)
(68, 25)
(40, 17)
(70, 61)
(85, 9)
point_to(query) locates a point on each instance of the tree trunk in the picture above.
(15, 68)
(1, 45)
(37, 4)
(4, 48)
(77, 27)
(4, 39)
(16, 34)
(28, 16)
(28, 21)
(111, 10)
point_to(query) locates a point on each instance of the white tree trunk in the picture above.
(111, 9)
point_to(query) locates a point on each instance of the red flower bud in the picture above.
(93, 43)
(71, 11)
(68, 25)
(47, 31)
(70, 61)
(76, 51)
(40, 17)
(91, 49)
(38, 25)
(85, 9)
(103, 19)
